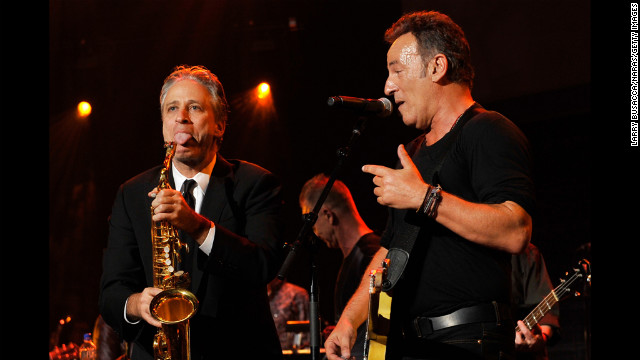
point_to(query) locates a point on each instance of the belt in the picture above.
(491, 312)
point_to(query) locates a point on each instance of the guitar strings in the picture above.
(549, 301)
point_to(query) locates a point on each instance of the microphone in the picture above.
(381, 107)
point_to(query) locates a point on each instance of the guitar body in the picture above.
(379, 315)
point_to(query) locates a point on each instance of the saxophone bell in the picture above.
(173, 306)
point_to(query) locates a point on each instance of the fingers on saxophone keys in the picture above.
(153, 193)
(160, 209)
(156, 208)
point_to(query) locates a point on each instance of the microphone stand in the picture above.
(306, 234)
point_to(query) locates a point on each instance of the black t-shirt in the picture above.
(352, 270)
(489, 162)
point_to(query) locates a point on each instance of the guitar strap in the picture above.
(403, 241)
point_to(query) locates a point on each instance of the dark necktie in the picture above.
(187, 260)
(187, 193)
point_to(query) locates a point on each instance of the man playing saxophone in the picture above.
(233, 233)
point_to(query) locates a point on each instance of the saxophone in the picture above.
(175, 305)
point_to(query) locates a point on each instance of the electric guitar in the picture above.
(380, 307)
(583, 271)
(375, 341)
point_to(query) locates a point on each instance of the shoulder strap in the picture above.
(402, 243)
(455, 132)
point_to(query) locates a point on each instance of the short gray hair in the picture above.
(207, 79)
(339, 196)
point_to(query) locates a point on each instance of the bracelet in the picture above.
(424, 202)
(432, 200)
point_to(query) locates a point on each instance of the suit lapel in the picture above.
(213, 204)
(214, 198)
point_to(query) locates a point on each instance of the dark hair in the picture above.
(437, 33)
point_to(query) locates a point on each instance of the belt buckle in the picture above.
(416, 325)
(496, 309)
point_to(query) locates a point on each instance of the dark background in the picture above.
(532, 60)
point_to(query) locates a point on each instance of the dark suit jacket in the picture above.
(244, 202)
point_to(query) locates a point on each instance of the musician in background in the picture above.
(530, 285)
(465, 185)
(109, 345)
(340, 226)
(289, 302)
(233, 231)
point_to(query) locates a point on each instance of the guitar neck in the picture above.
(550, 300)
(541, 310)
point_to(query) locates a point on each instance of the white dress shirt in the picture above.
(202, 179)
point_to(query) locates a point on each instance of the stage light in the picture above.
(256, 106)
(84, 109)
(263, 90)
